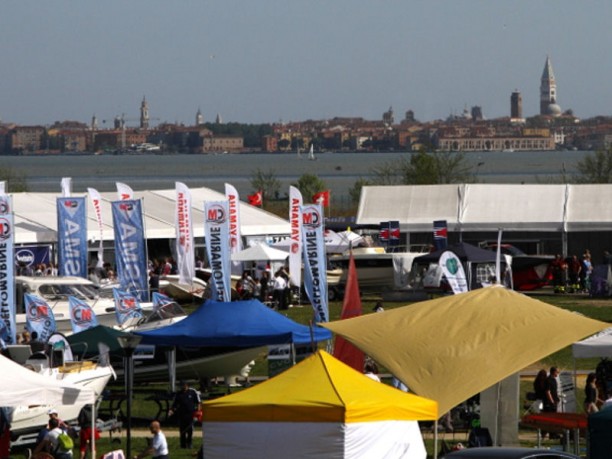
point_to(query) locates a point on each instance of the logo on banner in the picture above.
(38, 311)
(81, 314)
(5, 228)
(4, 206)
(126, 207)
(233, 220)
(452, 265)
(25, 256)
(126, 304)
(311, 218)
(216, 214)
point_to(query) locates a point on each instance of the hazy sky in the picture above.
(270, 60)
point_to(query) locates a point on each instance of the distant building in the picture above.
(144, 114)
(199, 120)
(516, 106)
(388, 117)
(548, 92)
(477, 113)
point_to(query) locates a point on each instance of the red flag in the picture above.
(255, 199)
(351, 307)
(322, 198)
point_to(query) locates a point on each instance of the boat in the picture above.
(55, 290)
(57, 364)
(311, 155)
(185, 293)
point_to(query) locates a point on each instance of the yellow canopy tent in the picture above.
(319, 408)
(451, 348)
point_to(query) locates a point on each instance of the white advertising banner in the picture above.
(216, 232)
(124, 192)
(185, 251)
(235, 237)
(315, 264)
(96, 203)
(295, 246)
(8, 332)
(453, 271)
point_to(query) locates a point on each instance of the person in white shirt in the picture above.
(158, 447)
(280, 287)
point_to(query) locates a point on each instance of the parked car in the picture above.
(493, 452)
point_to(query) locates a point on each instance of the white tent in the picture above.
(598, 345)
(21, 386)
(260, 252)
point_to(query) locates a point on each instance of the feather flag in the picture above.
(96, 203)
(39, 317)
(82, 316)
(7, 270)
(235, 236)
(159, 300)
(295, 249)
(127, 307)
(351, 307)
(124, 192)
(185, 251)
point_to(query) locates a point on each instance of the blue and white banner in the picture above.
(235, 236)
(127, 306)
(131, 248)
(39, 317)
(159, 300)
(82, 316)
(315, 264)
(453, 271)
(185, 251)
(7, 271)
(295, 247)
(216, 232)
(31, 256)
(72, 236)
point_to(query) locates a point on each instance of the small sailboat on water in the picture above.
(311, 155)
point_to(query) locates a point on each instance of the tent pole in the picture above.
(93, 431)
(436, 439)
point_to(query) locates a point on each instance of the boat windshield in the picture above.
(61, 292)
(166, 311)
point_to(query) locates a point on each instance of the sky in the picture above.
(291, 60)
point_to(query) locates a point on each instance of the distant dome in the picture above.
(553, 110)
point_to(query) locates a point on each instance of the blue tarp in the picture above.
(237, 324)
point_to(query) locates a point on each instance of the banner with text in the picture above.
(96, 202)
(131, 248)
(216, 232)
(72, 236)
(7, 271)
(39, 317)
(315, 264)
(453, 271)
(82, 316)
(185, 251)
(295, 247)
(235, 236)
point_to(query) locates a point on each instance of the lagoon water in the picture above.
(338, 170)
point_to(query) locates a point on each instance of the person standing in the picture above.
(591, 398)
(280, 287)
(551, 394)
(186, 403)
(51, 443)
(158, 448)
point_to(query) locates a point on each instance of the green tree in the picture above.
(389, 173)
(355, 190)
(15, 182)
(440, 167)
(267, 183)
(595, 168)
(309, 185)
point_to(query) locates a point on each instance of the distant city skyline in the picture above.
(267, 61)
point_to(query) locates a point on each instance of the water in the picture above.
(338, 170)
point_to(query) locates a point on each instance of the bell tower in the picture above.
(548, 88)
(144, 114)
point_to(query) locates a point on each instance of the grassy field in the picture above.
(145, 410)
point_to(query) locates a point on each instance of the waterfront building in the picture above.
(516, 107)
(144, 114)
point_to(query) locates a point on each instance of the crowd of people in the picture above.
(573, 274)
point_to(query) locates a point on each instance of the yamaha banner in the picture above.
(82, 316)
(96, 202)
(295, 247)
(315, 264)
(216, 232)
(72, 237)
(130, 248)
(7, 271)
(235, 236)
(127, 306)
(39, 317)
(185, 251)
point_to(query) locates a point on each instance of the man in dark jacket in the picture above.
(186, 403)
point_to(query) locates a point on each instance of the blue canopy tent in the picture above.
(237, 323)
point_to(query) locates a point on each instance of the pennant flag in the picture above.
(216, 232)
(321, 198)
(131, 248)
(185, 250)
(39, 317)
(453, 271)
(351, 307)
(394, 233)
(124, 192)
(440, 234)
(7, 271)
(159, 300)
(72, 236)
(295, 248)
(315, 264)
(66, 187)
(96, 203)
(127, 307)
(256, 199)
(383, 232)
(235, 236)
(82, 316)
